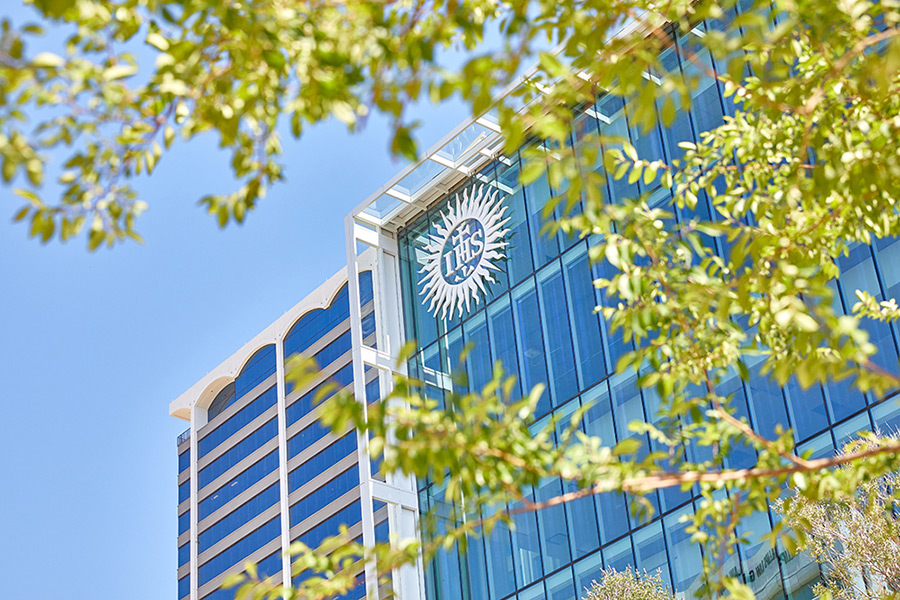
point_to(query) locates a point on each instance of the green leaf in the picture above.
(627, 446)
(274, 59)
(119, 72)
(232, 579)
(158, 41)
(532, 169)
(47, 60)
(168, 136)
(404, 144)
(54, 8)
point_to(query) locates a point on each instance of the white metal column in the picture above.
(198, 420)
(399, 492)
(282, 463)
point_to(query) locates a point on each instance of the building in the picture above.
(537, 318)
(267, 473)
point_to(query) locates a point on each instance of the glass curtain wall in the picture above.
(538, 320)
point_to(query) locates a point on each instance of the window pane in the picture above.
(558, 342)
(503, 340)
(500, 562)
(530, 344)
(651, 551)
(687, 563)
(584, 324)
(518, 251)
(552, 523)
(478, 363)
(544, 243)
(560, 585)
(526, 546)
(611, 116)
(766, 401)
(807, 409)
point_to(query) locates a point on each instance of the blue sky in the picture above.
(95, 346)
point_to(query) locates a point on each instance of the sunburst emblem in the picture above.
(462, 253)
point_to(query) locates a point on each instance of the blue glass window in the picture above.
(366, 291)
(240, 550)
(581, 515)
(611, 113)
(237, 453)
(478, 362)
(544, 243)
(766, 402)
(554, 534)
(619, 555)
(760, 561)
(501, 567)
(267, 567)
(312, 326)
(680, 129)
(598, 422)
(887, 414)
(706, 106)
(304, 404)
(368, 325)
(530, 345)
(451, 350)
(184, 460)
(686, 561)
(321, 461)
(477, 568)
(587, 571)
(807, 409)
(617, 345)
(527, 547)
(239, 516)
(650, 549)
(858, 273)
(184, 586)
(518, 251)
(503, 340)
(584, 323)
(557, 341)
(238, 421)
(307, 437)
(742, 454)
(260, 366)
(184, 522)
(241, 482)
(372, 391)
(535, 592)
(324, 495)
(348, 516)
(223, 400)
(184, 554)
(334, 350)
(184, 491)
(560, 586)
(627, 403)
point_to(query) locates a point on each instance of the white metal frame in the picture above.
(398, 491)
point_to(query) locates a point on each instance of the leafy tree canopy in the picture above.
(804, 169)
(628, 585)
(854, 537)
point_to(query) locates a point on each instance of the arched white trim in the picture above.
(250, 355)
(210, 393)
(198, 394)
(326, 306)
